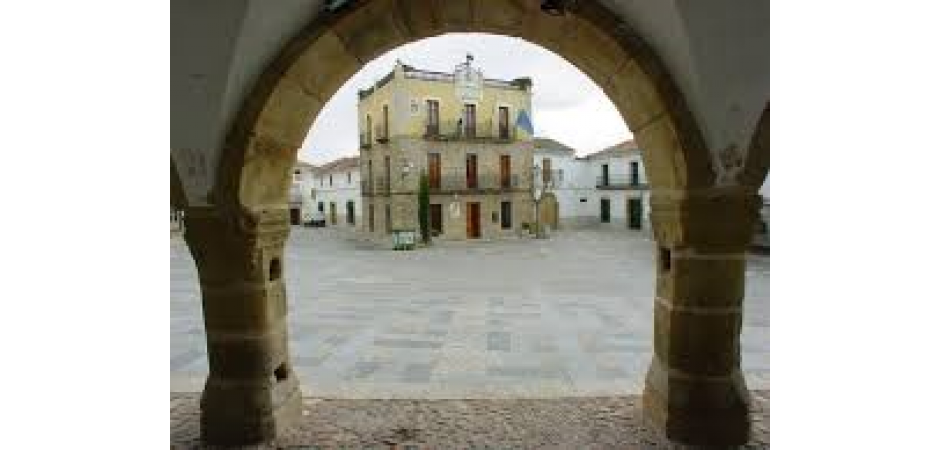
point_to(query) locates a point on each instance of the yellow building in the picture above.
(470, 134)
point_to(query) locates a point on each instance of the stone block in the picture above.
(635, 95)
(697, 410)
(703, 282)
(247, 357)
(235, 414)
(320, 79)
(700, 344)
(374, 29)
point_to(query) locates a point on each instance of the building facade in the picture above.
(469, 134)
(336, 192)
(604, 189)
(301, 192)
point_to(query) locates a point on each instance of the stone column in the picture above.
(252, 391)
(695, 391)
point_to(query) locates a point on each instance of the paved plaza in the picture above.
(562, 317)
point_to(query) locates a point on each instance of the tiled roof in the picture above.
(628, 146)
(542, 143)
(340, 165)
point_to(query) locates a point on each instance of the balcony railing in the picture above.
(620, 182)
(458, 182)
(452, 130)
(378, 186)
(365, 141)
(381, 133)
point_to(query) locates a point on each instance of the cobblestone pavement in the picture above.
(564, 317)
(562, 423)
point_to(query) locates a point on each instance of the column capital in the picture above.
(710, 220)
(236, 244)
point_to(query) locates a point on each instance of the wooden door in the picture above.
(473, 220)
(505, 171)
(437, 219)
(434, 170)
(471, 171)
(332, 213)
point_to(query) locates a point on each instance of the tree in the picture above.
(424, 208)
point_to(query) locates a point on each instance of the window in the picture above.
(371, 218)
(320, 206)
(348, 177)
(470, 120)
(471, 171)
(506, 215)
(434, 170)
(331, 179)
(634, 173)
(546, 170)
(503, 122)
(433, 125)
(369, 129)
(388, 219)
(505, 171)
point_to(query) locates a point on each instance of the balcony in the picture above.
(457, 130)
(379, 186)
(365, 141)
(484, 183)
(381, 133)
(620, 182)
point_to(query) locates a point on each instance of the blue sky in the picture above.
(567, 105)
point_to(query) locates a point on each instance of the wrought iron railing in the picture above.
(459, 181)
(377, 186)
(381, 132)
(462, 130)
(620, 182)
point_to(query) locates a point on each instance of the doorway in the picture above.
(332, 213)
(635, 207)
(473, 220)
(295, 216)
(437, 219)
(605, 210)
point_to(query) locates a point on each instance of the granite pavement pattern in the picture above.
(564, 317)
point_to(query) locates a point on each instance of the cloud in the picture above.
(567, 105)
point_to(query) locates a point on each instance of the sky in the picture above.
(567, 105)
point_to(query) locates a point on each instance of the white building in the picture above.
(337, 192)
(301, 192)
(604, 189)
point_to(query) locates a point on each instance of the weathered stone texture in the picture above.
(252, 391)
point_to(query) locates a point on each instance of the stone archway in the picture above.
(694, 388)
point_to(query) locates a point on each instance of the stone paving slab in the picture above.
(570, 315)
(560, 423)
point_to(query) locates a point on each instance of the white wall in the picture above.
(344, 189)
(579, 181)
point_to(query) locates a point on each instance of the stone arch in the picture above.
(274, 119)
(177, 194)
(757, 164)
(694, 389)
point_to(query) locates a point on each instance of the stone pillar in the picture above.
(252, 391)
(695, 392)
